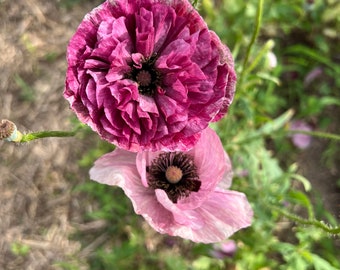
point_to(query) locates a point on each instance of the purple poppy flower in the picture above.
(300, 140)
(148, 74)
(180, 193)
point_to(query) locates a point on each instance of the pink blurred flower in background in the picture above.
(313, 75)
(180, 193)
(148, 75)
(224, 250)
(300, 140)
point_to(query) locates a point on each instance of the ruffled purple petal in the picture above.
(195, 84)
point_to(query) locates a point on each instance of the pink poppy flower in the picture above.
(180, 193)
(148, 74)
(300, 140)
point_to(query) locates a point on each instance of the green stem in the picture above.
(276, 133)
(323, 135)
(313, 222)
(264, 50)
(46, 134)
(194, 3)
(253, 38)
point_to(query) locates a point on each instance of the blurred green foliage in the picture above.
(20, 249)
(303, 35)
(27, 93)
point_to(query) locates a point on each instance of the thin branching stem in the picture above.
(316, 223)
(276, 133)
(253, 38)
(319, 134)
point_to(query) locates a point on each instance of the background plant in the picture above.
(291, 229)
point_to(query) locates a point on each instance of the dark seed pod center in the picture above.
(147, 76)
(143, 78)
(175, 173)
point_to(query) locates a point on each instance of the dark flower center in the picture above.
(175, 173)
(146, 76)
(143, 78)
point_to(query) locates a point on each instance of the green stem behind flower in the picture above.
(276, 128)
(195, 3)
(319, 134)
(279, 133)
(253, 38)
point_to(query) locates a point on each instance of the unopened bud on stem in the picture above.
(9, 132)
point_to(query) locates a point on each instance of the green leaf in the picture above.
(303, 180)
(302, 199)
(277, 123)
(321, 264)
(268, 77)
(302, 50)
(175, 263)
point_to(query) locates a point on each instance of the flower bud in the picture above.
(9, 132)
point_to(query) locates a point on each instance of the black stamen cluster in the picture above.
(188, 183)
(148, 65)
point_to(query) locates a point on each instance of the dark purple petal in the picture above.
(188, 80)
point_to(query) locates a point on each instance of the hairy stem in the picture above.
(253, 38)
(323, 135)
(46, 134)
(313, 222)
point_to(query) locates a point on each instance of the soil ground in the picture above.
(37, 206)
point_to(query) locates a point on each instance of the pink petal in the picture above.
(224, 213)
(143, 160)
(113, 168)
(220, 216)
(210, 215)
(190, 218)
(228, 174)
(211, 159)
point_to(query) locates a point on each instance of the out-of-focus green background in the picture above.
(53, 217)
